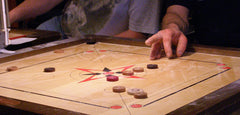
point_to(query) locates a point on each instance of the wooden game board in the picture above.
(76, 87)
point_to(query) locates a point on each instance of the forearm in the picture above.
(176, 17)
(131, 34)
(31, 8)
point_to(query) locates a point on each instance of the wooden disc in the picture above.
(112, 78)
(119, 89)
(12, 68)
(128, 72)
(140, 95)
(132, 91)
(138, 69)
(152, 66)
(49, 69)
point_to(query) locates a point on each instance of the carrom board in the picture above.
(79, 83)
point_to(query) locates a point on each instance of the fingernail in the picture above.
(180, 53)
(147, 43)
(152, 58)
(168, 55)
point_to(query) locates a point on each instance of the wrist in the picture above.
(172, 26)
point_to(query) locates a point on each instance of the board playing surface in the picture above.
(79, 83)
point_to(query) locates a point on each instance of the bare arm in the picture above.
(31, 8)
(131, 34)
(174, 23)
(177, 15)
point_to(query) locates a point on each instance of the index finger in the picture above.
(153, 39)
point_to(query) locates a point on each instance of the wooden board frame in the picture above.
(203, 104)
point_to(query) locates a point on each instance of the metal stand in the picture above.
(4, 24)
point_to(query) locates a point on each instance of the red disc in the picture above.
(102, 50)
(116, 107)
(136, 105)
(89, 51)
(226, 67)
(221, 64)
(112, 78)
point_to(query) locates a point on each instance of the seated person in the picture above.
(27, 10)
(122, 18)
(215, 23)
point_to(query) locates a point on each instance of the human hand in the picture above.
(164, 39)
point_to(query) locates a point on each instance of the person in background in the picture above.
(121, 18)
(214, 22)
(44, 15)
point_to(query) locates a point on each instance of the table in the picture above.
(205, 77)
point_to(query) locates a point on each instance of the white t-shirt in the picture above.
(136, 15)
(110, 17)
